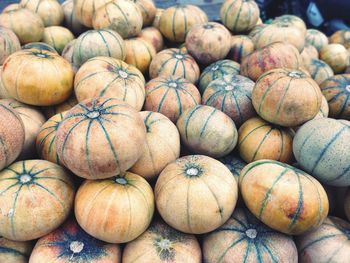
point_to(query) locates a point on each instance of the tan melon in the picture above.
(336, 56)
(157, 16)
(9, 43)
(86, 9)
(3, 92)
(341, 37)
(153, 36)
(67, 54)
(291, 20)
(148, 10)
(309, 53)
(70, 19)
(58, 37)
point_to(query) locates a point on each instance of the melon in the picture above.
(67, 54)
(324, 110)
(37, 197)
(319, 70)
(161, 148)
(11, 7)
(283, 197)
(50, 81)
(316, 38)
(119, 219)
(9, 43)
(241, 46)
(217, 70)
(100, 126)
(232, 94)
(122, 16)
(174, 62)
(40, 46)
(70, 20)
(327, 243)
(59, 108)
(243, 238)
(291, 20)
(58, 37)
(286, 97)
(257, 140)
(153, 36)
(336, 56)
(157, 17)
(148, 10)
(321, 148)
(85, 10)
(3, 92)
(70, 243)
(14, 251)
(109, 77)
(171, 96)
(162, 243)
(191, 198)
(341, 37)
(308, 54)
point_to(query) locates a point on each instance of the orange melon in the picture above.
(153, 36)
(14, 251)
(9, 43)
(58, 37)
(336, 56)
(241, 46)
(291, 20)
(85, 10)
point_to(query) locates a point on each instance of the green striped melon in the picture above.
(12, 134)
(206, 130)
(259, 139)
(243, 238)
(241, 46)
(161, 148)
(85, 10)
(9, 43)
(122, 16)
(94, 43)
(58, 37)
(336, 89)
(148, 10)
(161, 243)
(319, 70)
(232, 94)
(283, 197)
(174, 62)
(98, 127)
(195, 194)
(50, 11)
(239, 15)
(321, 148)
(64, 106)
(70, 20)
(291, 20)
(327, 243)
(14, 251)
(316, 38)
(109, 77)
(36, 197)
(217, 70)
(46, 139)
(171, 96)
(40, 46)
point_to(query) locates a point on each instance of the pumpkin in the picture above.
(260, 140)
(274, 97)
(206, 130)
(291, 20)
(327, 243)
(208, 42)
(243, 238)
(59, 108)
(32, 120)
(58, 37)
(195, 194)
(309, 53)
(276, 55)
(283, 197)
(161, 148)
(70, 19)
(50, 11)
(100, 126)
(280, 32)
(37, 77)
(94, 43)
(153, 36)
(11, 7)
(341, 37)
(40, 46)
(46, 139)
(67, 54)
(139, 53)
(347, 205)
(320, 147)
(122, 16)
(157, 16)
(119, 219)
(336, 89)
(316, 38)
(9, 43)
(85, 10)
(174, 62)
(217, 70)
(162, 243)
(241, 46)
(171, 96)
(37, 197)
(232, 94)
(336, 56)
(234, 164)
(71, 243)
(319, 70)
(148, 10)
(3, 92)
(12, 135)
(14, 251)
(27, 25)
(109, 77)
(176, 21)
(239, 15)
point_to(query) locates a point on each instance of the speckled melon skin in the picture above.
(161, 243)
(321, 147)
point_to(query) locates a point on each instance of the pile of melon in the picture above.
(135, 134)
